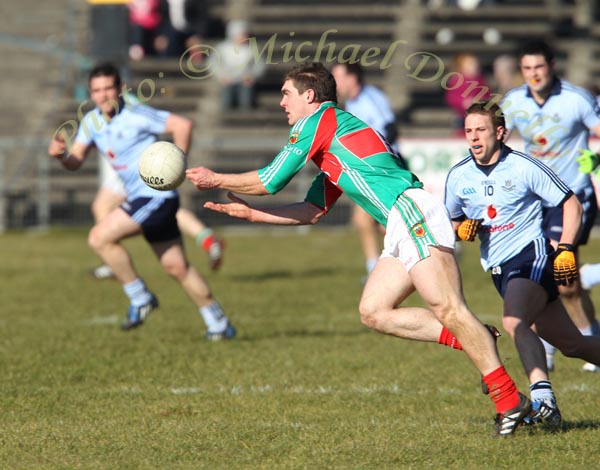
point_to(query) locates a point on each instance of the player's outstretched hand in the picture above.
(565, 265)
(57, 147)
(202, 178)
(588, 161)
(468, 228)
(238, 208)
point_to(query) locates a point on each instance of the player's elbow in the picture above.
(316, 215)
(187, 124)
(315, 220)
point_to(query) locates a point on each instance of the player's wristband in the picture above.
(588, 161)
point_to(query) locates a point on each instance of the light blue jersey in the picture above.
(554, 131)
(123, 140)
(508, 197)
(371, 106)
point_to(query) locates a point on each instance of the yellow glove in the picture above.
(468, 228)
(565, 266)
(588, 161)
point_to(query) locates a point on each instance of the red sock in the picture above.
(502, 389)
(209, 240)
(447, 338)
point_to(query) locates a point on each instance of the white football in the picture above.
(162, 166)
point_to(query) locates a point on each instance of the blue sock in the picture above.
(595, 328)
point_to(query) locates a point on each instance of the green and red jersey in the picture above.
(353, 158)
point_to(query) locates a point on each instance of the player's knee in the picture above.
(369, 314)
(510, 325)
(175, 268)
(515, 326)
(95, 241)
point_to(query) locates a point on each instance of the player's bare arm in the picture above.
(301, 213)
(71, 158)
(572, 213)
(181, 129)
(244, 183)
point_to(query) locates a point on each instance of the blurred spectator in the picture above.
(372, 106)
(145, 18)
(506, 73)
(465, 86)
(236, 67)
(185, 24)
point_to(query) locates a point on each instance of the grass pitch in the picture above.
(303, 386)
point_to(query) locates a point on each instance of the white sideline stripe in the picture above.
(326, 390)
(584, 388)
(186, 391)
(102, 320)
(302, 390)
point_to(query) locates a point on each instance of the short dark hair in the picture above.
(536, 48)
(314, 76)
(353, 68)
(105, 70)
(488, 108)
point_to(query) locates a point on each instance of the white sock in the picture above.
(542, 391)
(370, 264)
(590, 275)
(137, 292)
(214, 317)
(587, 331)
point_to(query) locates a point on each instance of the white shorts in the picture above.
(417, 221)
(109, 179)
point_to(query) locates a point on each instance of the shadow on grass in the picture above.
(583, 424)
(567, 426)
(280, 274)
(302, 334)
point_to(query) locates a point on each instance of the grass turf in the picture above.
(303, 386)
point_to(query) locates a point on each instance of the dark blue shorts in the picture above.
(157, 216)
(552, 223)
(534, 262)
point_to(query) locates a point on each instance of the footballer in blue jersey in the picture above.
(496, 194)
(121, 131)
(555, 119)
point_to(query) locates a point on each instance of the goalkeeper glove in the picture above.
(588, 161)
(565, 266)
(468, 228)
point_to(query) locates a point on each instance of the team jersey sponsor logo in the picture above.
(294, 137)
(418, 230)
(508, 186)
(111, 154)
(498, 228)
(491, 211)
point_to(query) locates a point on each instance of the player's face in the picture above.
(538, 73)
(104, 94)
(295, 104)
(484, 141)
